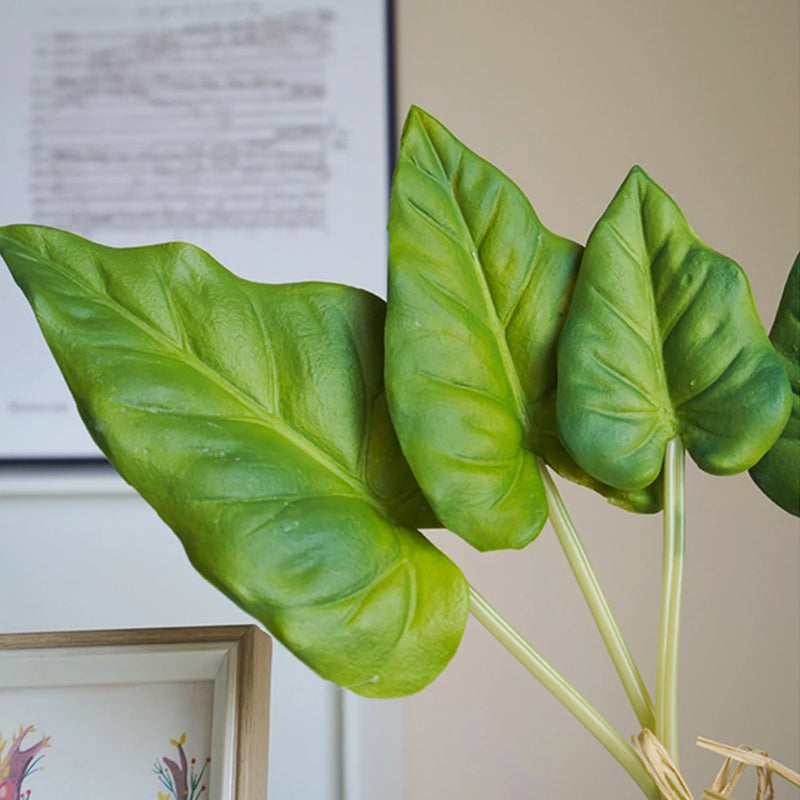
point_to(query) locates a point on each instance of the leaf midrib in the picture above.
(495, 324)
(666, 411)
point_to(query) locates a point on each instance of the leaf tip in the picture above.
(639, 176)
(415, 116)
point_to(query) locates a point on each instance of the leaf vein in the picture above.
(490, 219)
(464, 387)
(614, 372)
(620, 315)
(625, 245)
(531, 269)
(271, 366)
(731, 366)
(436, 223)
(454, 300)
(511, 484)
(669, 327)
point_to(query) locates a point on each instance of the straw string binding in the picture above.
(671, 784)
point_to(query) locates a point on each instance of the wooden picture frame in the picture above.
(115, 678)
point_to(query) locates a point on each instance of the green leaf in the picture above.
(252, 418)
(662, 339)
(478, 289)
(778, 473)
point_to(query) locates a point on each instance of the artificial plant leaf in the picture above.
(478, 289)
(252, 418)
(778, 473)
(663, 339)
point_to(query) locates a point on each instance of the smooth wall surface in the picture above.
(565, 97)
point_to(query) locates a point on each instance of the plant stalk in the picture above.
(578, 560)
(672, 580)
(552, 680)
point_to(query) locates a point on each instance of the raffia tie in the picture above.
(672, 785)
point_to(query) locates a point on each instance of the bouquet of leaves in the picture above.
(297, 437)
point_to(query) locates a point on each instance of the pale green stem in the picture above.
(672, 579)
(598, 604)
(554, 682)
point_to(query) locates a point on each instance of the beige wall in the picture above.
(565, 97)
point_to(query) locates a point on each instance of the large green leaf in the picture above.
(253, 419)
(478, 289)
(662, 339)
(778, 473)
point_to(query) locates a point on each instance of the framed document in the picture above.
(257, 129)
(181, 714)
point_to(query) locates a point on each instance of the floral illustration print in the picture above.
(182, 780)
(18, 763)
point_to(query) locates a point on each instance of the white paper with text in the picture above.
(257, 130)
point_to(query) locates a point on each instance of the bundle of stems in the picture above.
(661, 717)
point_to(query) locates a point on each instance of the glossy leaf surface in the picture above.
(662, 338)
(478, 289)
(253, 419)
(778, 473)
